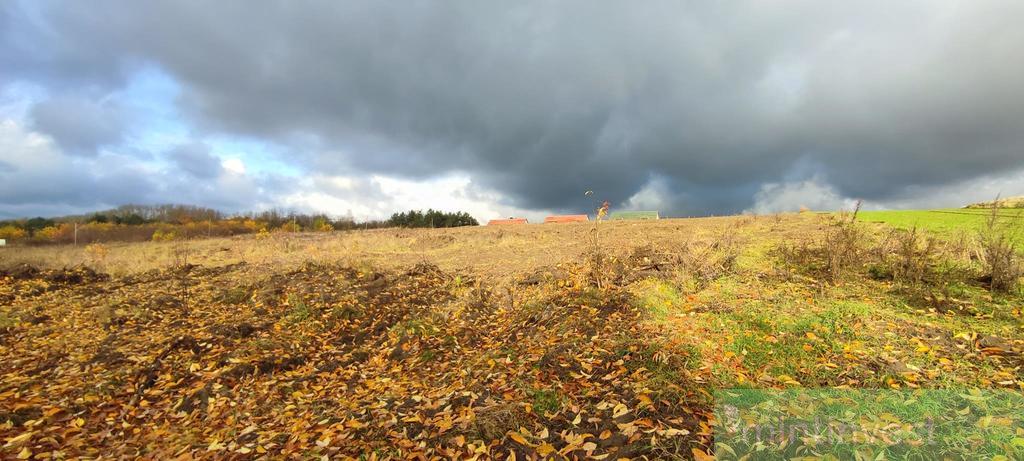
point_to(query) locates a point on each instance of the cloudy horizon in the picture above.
(363, 109)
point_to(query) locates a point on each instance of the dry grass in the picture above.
(489, 251)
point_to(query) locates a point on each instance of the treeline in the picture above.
(148, 214)
(432, 218)
(134, 223)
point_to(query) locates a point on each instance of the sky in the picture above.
(365, 108)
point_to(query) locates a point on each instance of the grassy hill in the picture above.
(1008, 202)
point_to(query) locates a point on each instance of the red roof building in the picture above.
(505, 222)
(566, 218)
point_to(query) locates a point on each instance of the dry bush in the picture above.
(97, 254)
(914, 256)
(796, 254)
(999, 257)
(963, 247)
(843, 248)
(495, 420)
(180, 256)
(706, 262)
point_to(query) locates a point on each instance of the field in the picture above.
(661, 339)
(951, 223)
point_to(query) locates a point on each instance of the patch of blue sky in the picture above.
(151, 100)
(152, 96)
(260, 157)
(17, 98)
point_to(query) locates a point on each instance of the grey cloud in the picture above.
(542, 101)
(79, 125)
(196, 160)
(48, 182)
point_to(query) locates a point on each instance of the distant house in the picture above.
(566, 218)
(505, 222)
(630, 215)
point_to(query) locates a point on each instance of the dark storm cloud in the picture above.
(79, 125)
(196, 160)
(543, 100)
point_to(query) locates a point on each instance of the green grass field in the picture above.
(944, 222)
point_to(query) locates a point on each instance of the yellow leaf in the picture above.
(25, 453)
(545, 449)
(518, 438)
(700, 455)
(79, 422)
(604, 435)
(20, 438)
(619, 410)
(589, 446)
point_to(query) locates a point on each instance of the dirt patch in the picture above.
(239, 330)
(21, 415)
(75, 276)
(21, 272)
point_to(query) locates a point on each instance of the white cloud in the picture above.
(233, 165)
(956, 195)
(816, 194)
(655, 195)
(812, 193)
(380, 196)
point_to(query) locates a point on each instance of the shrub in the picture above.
(914, 256)
(162, 236)
(842, 248)
(96, 252)
(12, 233)
(1002, 263)
(290, 227)
(707, 262)
(322, 225)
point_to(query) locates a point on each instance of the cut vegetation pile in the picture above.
(617, 351)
